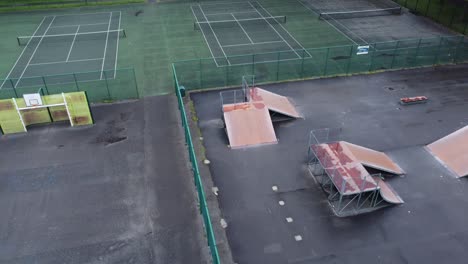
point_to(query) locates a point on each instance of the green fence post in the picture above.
(436, 57)
(302, 63)
(227, 76)
(406, 3)
(416, 7)
(349, 59)
(453, 17)
(326, 63)
(136, 83)
(14, 88)
(440, 10)
(417, 50)
(427, 7)
(456, 49)
(466, 27)
(371, 63)
(76, 83)
(277, 66)
(253, 64)
(45, 85)
(201, 75)
(394, 54)
(107, 85)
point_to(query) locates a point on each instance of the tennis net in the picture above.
(98, 35)
(361, 13)
(235, 23)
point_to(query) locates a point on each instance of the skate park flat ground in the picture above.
(119, 191)
(428, 228)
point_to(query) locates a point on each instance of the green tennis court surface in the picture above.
(64, 44)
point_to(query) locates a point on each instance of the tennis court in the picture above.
(65, 44)
(240, 28)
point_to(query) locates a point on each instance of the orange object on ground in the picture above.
(274, 102)
(248, 124)
(452, 151)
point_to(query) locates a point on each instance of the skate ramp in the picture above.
(387, 193)
(274, 102)
(452, 151)
(248, 124)
(374, 159)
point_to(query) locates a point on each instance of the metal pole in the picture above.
(326, 62)
(372, 57)
(45, 85)
(417, 50)
(13, 87)
(302, 63)
(436, 57)
(427, 7)
(456, 49)
(136, 84)
(201, 74)
(107, 84)
(253, 64)
(394, 54)
(349, 59)
(277, 66)
(76, 82)
(453, 17)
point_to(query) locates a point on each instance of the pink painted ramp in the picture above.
(387, 193)
(274, 102)
(248, 124)
(374, 159)
(452, 151)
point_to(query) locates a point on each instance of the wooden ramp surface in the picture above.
(387, 193)
(374, 159)
(452, 151)
(274, 102)
(248, 124)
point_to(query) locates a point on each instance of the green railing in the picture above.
(451, 13)
(100, 86)
(196, 174)
(321, 62)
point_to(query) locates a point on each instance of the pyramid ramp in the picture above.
(452, 151)
(248, 124)
(274, 102)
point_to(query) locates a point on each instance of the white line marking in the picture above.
(274, 29)
(73, 43)
(203, 33)
(105, 46)
(223, 3)
(79, 25)
(251, 41)
(117, 49)
(69, 61)
(72, 34)
(34, 52)
(216, 37)
(255, 43)
(27, 44)
(298, 43)
(268, 61)
(328, 22)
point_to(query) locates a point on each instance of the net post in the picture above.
(124, 33)
(76, 82)
(18, 39)
(107, 84)
(14, 88)
(45, 85)
(326, 62)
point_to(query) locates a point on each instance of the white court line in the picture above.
(274, 29)
(283, 28)
(117, 49)
(268, 61)
(203, 33)
(79, 25)
(223, 3)
(34, 52)
(214, 35)
(27, 44)
(68, 61)
(251, 41)
(73, 43)
(105, 46)
(255, 43)
(310, 9)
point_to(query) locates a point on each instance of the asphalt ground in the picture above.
(429, 228)
(119, 191)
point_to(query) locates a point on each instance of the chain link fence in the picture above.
(323, 62)
(99, 86)
(450, 13)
